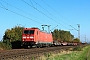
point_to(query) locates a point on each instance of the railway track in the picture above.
(34, 52)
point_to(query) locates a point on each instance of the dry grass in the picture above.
(53, 55)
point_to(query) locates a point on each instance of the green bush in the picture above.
(5, 45)
(77, 48)
(2, 46)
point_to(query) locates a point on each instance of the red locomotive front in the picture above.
(35, 37)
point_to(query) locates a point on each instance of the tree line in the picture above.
(62, 35)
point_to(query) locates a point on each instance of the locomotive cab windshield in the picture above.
(28, 31)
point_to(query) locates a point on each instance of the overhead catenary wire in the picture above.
(41, 7)
(42, 12)
(19, 14)
(23, 11)
(74, 28)
(36, 9)
(54, 10)
(58, 13)
(30, 14)
(31, 3)
(34, 6)
(48, 12)
(3, 5)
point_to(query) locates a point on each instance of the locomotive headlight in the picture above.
(27, 37)
(31, 37)
(24, 37)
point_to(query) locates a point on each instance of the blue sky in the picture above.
(34, 13)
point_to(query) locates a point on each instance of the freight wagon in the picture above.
(36, 37)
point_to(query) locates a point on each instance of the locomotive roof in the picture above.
(32, 28)
(36, 28)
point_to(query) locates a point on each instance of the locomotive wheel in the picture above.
(29, 47)
(25, 46)
(39, 45)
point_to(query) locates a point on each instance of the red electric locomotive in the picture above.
(35, 37)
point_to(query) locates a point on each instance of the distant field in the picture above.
(69, 55)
